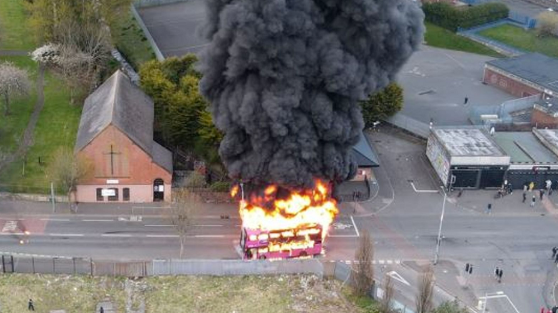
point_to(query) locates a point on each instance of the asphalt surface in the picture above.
(403, 219)
(436, 82)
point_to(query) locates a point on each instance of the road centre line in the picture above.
(116, 235)
(56, 219)
(209, 225)
(161, 236)
(98, 220)
(356, 228)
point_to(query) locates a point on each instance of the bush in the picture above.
(220, 186)
(382, 104)
(453, 18)
(547, 24)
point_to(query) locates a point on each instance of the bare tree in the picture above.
(425, 294)
(184, 206)
(13, 82)
(66, 169)
(363, 276)
(387, 286)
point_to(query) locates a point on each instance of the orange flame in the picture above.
(234, 191)
(302, 208)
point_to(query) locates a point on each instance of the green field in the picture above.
(246, 294)
(442, 38)
(523, 39)
(12, 126)
(13, 33)
(130, 41)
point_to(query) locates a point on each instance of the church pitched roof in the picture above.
(121, 103)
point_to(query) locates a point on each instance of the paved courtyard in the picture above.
(436, 82)
(175, 26)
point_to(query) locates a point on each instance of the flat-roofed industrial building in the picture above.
(466, 157)
(530, 159)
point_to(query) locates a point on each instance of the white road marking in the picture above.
(56, 219)
(422, 190)
(356, 228)
(98, 220)
(159, 225)
(398, 277)
(162, 236)
(9, 226)
(116, 235)
(66, 235)
(209, 236)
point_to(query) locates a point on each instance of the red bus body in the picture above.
(281, 244)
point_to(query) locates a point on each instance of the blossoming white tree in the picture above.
(13, 82)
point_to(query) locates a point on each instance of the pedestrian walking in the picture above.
(489, 208)
(548, 184)
(510, 189)
(500, 273)
(533, 201)
(524, 196)
(496, 272)
(554, 250)
(101, 310)
(30, 305)
(531, 186)
(525, 186)
(466, 100)
(556, 258)
(541, 194)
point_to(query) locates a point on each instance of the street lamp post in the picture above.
(440, 228)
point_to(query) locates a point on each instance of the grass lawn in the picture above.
(71, 293)
(57, 126)
(442, 38)
(13, 34)
(12, 126)
(171, 294)
(522, 39)
(130, 41)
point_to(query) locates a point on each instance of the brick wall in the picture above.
(508, 84)
(131, 166)
(541, 119)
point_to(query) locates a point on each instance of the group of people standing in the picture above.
(529, 187)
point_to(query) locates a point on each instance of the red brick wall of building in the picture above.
(541, 119)
(131, 165)
(509, 85)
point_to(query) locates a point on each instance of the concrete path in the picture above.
(13, 52)
(27, 140)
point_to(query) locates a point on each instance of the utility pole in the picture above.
(439, 239)
(52, 197)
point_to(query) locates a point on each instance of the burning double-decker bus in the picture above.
(288, 226)
(281, 243)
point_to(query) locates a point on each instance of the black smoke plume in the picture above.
(284, 78)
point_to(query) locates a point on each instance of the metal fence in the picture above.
(10, 263)
(503, 113)
(236, 267)
(145, 30)
(151, 3)
(409, 124)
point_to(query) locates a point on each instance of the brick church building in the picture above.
(116, 135)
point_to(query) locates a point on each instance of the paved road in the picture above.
(403, 220)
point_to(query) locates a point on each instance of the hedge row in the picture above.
(453, 18)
